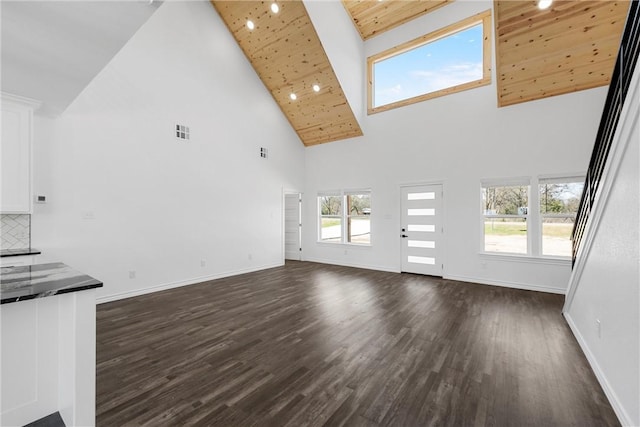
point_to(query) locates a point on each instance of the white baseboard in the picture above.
(622, 415)
(514, 285)
(192, 281)
(351, 264)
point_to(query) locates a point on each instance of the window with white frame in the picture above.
(345, 217)
(520, 221)
(506, 212)
(445, 61)
(559, 201)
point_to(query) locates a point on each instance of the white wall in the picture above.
(457, 139)
(160, 206)
(606, 280)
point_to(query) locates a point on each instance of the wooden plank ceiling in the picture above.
(374, 17)
(286, 52)
(569, 47)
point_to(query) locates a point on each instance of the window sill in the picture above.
(526, 258)
(347, 245)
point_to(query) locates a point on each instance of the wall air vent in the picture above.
(182, 132)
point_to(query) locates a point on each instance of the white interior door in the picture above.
(421, 229)
(292, 226)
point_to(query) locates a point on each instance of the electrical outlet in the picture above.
(599, 328)
(250, 257)
(132, 274)
(203, 263)
(346, 252)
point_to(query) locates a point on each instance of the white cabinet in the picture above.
(13, 261)
(49, 359)
(15, 154)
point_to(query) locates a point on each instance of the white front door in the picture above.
(292, 224)
(421, 229)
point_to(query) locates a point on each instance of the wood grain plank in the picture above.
(286, 53)
(541, 53)
(311, 344)
(375, 17)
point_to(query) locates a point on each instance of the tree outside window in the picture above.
(559, 201)
(330, 218)
(539, 224)
(505, 218)
(345, 217)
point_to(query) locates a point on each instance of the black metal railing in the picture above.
(618, 88)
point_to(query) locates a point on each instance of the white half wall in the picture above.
(458, 140)
(603, 305)
(126, 198)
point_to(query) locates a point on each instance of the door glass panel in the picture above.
(421, 227)
(421, 259)
(421, 196)
(421, 212)
(421, 244)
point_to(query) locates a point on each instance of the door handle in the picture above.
(403, 235)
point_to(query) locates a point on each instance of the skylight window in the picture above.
(449, 60)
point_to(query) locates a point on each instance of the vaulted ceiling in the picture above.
(51, 50)
(539, 53)
(571, 46)
(375, 17)
(287, 54)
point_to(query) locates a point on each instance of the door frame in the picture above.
(444, 218)
(285, 193)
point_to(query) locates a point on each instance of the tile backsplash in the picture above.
(15, 231)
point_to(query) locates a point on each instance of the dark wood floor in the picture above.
(312, 344)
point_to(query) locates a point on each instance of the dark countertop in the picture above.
(42, 280)
(18, 252)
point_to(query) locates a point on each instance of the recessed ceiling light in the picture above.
(544, 4)
(316, 88)
(250, 24)
(293, 97)
(275, 8)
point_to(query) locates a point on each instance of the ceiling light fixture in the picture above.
(250, 24)
(275, 8)
(293, 97)
(544, 4)
(316, 88)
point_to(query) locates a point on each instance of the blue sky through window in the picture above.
(444, 63)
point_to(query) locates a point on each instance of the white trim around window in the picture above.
(535, 219)
(344, 217)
